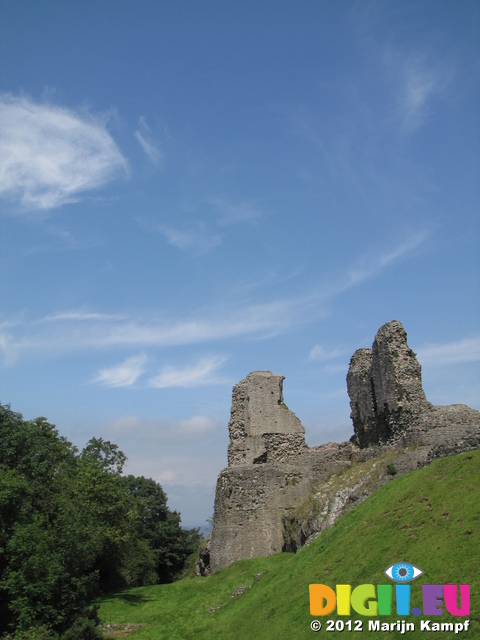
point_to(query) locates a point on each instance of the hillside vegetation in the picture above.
(429, 518)
(72, 527)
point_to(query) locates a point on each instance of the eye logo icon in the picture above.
(402, 572)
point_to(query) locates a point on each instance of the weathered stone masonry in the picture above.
(262, 428)
(385, 387)
(271, 471)
(260, 483)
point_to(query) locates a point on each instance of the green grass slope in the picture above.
(429, 518)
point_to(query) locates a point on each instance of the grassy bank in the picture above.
(429, 518)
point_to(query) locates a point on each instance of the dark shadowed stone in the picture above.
(202, 566)
(385, 387)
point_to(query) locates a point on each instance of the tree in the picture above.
(160, 527)
(107, 508)
(47, 557)
(104, 455)
(72, 526)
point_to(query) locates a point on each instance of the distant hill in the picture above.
(429, 518)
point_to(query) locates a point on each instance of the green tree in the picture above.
(47, 561)
(107, 508)
(104, 455)
(71, 526)
(160, 527)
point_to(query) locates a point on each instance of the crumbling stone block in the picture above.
(385, 387)
(262, 428)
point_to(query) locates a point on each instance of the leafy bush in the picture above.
(391, 469)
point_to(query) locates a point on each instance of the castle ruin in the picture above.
(272, 472)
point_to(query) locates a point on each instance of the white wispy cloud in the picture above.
(50, 155)
(197, 425)
(232, 213)
(461, 351)
(64, 332)
(144, 138)
(196, 239)
(371, 264)
(8, 351)
(193, 375)
(321, 354)
(189, 471)
(124, 374)
(420, 80)
(81, 316)
(132, 426)
(185, 471)
(421, 85)
(71, 331)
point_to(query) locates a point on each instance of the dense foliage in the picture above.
(71, 526)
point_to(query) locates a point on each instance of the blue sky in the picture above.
(190, 191)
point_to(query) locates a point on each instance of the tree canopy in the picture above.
(71, 526)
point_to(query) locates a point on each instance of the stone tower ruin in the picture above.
(271, 471)
(262, 428)
(385, 387)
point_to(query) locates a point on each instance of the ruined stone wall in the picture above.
(270, 471)
(250, 502)
(260, 498)
(385, 387)
(387, 399)
(262, 428)
(264, 478)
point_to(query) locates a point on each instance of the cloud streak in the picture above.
(196, 239)
(199, 237)
(462, 351)
(50, 155)
(65, 332)
(124, 374)
(138, 428)
(233, 213)
(320, 354)
(143, 136)
(185, 471)
(419, 82)
(371, 265)
(72, 330)
(194, 375)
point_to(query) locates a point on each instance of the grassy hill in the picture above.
(429, 518)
